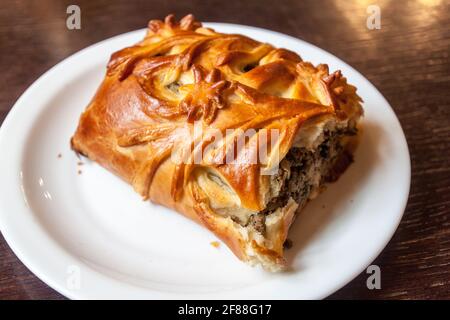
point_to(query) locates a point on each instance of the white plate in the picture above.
(90, 235)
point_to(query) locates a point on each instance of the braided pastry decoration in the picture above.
(183, 76)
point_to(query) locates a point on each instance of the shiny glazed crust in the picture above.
(182, 73)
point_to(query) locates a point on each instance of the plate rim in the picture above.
(20, 249)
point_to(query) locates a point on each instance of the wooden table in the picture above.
(407, 59)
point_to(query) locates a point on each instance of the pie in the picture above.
(233, 133)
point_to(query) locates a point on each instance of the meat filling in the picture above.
(302, 173)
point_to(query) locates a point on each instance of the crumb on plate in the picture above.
(215, 244)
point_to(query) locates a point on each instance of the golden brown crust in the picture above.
(182, 73)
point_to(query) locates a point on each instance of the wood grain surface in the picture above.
(407, 59)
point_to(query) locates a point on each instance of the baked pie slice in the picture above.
(233, 133)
